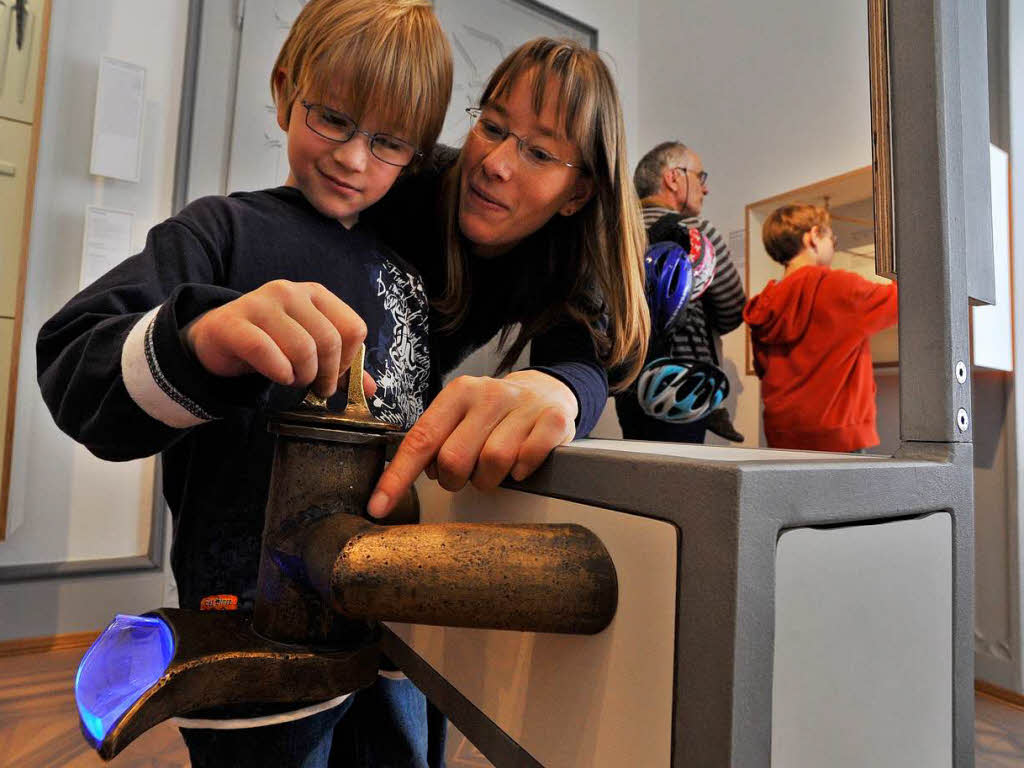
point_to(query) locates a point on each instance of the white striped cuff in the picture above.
(149, 387)
(237, 723)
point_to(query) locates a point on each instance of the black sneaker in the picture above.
(718, 421)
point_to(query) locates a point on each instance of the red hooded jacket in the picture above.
(810, 334)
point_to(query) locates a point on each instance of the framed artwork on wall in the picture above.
(482, 33)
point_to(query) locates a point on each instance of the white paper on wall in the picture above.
(117, 122)
(107, 241)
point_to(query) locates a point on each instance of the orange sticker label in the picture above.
(219, 603)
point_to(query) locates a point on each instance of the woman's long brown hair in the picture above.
(594, 258)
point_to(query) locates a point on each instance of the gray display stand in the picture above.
(729, 513)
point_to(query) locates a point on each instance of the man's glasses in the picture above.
(533, 155)
(339, 127)
(702, 176)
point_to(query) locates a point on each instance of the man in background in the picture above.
(672, 184)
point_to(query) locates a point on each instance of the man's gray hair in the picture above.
(647, 176)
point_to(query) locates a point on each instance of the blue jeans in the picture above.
(390, 725)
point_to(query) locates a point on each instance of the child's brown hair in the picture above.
(783, 231)
(394, 59)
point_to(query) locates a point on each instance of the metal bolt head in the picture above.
(961, 371)
(961, 419)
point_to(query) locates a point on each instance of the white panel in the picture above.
(603, 700)
(992, 326)
(863, 646)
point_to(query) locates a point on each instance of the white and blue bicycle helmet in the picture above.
(680, 391)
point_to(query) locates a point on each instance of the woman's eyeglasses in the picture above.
(339, 127)
(533, 155)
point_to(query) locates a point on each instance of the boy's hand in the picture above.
(480, 430)
(295, 334)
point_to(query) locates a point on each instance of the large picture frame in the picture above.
(482, 33)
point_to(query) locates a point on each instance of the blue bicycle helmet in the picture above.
(681, 391)
(669, 283)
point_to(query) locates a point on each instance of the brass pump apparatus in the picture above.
(327, 576)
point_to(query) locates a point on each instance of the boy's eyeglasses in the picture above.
(339, 127)
(533, 156)
(702, 176)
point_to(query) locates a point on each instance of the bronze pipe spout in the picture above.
(325, 570)
(532, 578)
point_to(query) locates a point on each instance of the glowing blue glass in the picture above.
(131, 654)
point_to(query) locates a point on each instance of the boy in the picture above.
(238, 304)
(810, 334)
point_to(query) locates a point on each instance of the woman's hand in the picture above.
(481, 429)
(296, 334)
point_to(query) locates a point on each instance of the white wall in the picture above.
(773, 96)
(66, 504)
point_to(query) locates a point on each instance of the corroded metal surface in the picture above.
(220, 661)
(322, 468)
(311, 481)
(539, 578)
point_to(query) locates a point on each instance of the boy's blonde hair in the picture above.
(784, 229)
(391, 55)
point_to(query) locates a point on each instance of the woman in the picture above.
(534, 221)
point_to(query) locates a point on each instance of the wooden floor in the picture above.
(39, 724)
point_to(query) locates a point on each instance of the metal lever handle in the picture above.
(314, 408)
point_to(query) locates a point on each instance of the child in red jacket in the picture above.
(810, 332)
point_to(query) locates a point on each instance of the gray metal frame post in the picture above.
(941, 198)
(942, 212)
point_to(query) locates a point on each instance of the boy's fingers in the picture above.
(346, 321)
(254, 347)
(369, 385)
(295, 343)
(328, 344)
(416, 452)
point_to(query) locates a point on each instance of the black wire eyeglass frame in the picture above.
(375, 140)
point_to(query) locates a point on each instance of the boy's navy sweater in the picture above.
(216, 474)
